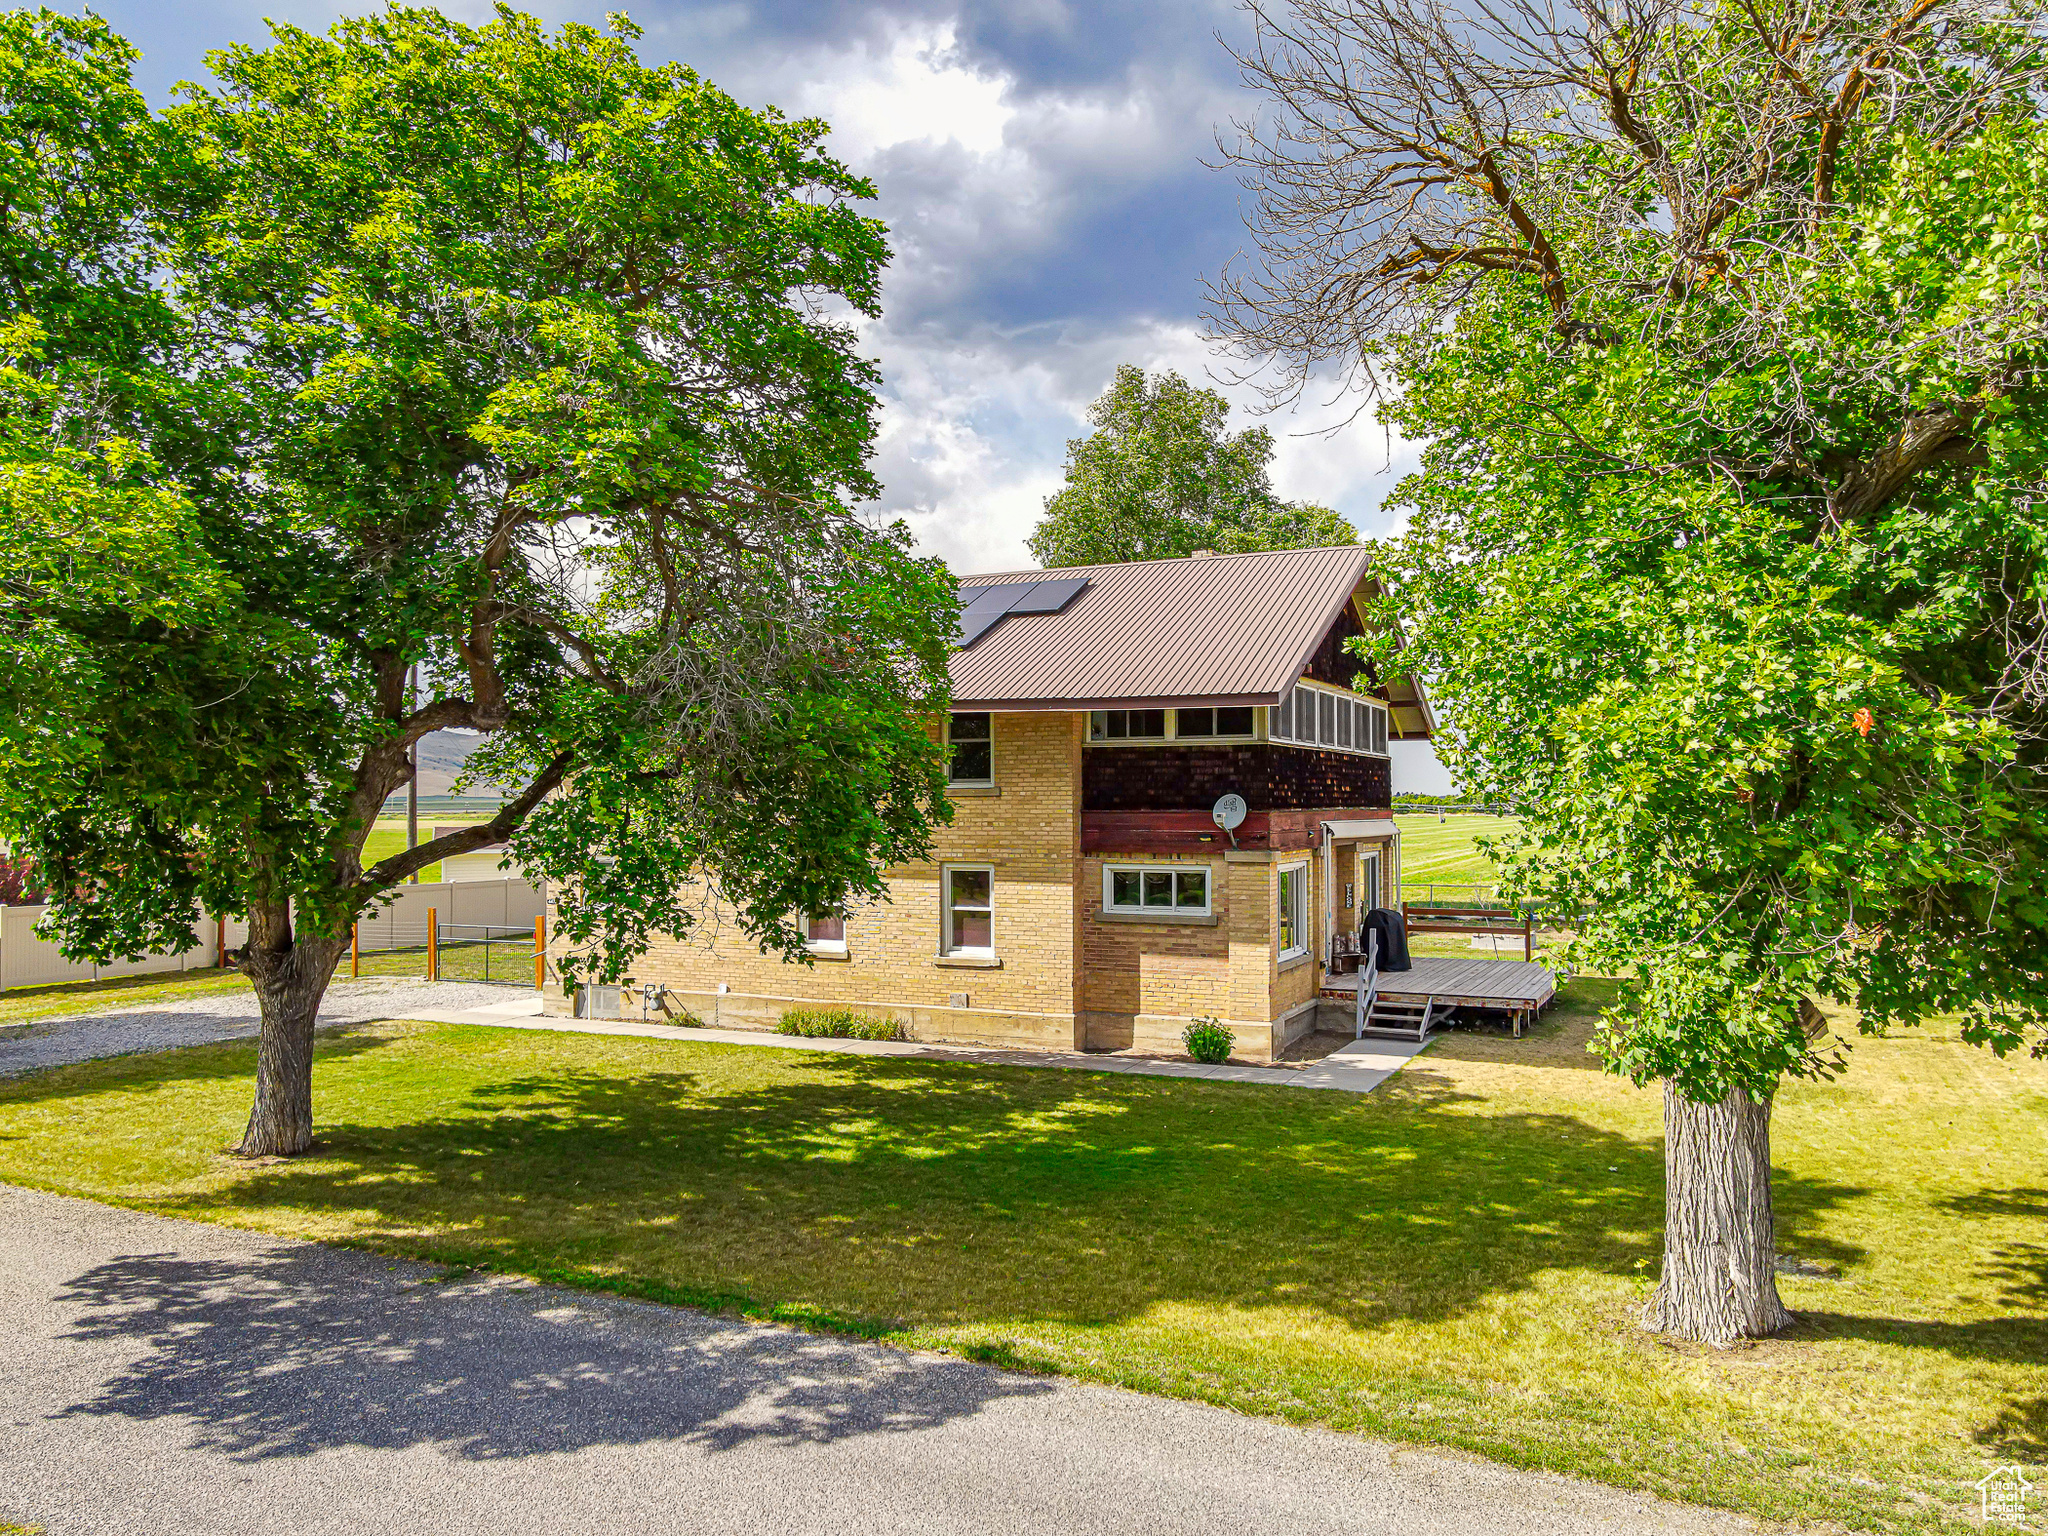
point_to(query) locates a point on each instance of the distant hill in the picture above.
(443, 755)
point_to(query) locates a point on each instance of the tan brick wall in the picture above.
(1029, 831)
(1066, 977)
(1143, 982)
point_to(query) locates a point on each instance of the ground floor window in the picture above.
(825, 930)
(1137, 888)
(1293, 913)
(969, 918)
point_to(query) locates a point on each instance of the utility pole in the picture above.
(412, 785)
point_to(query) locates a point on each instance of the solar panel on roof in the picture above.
(990, 604)
(1050, 596)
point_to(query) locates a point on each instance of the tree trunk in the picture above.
(289, 985)
(1719, 1280)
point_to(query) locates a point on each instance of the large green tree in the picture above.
(1163, 475)
(484, 351)
(1723, 326)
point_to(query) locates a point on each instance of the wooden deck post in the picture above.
(433, 944)
(540, 953)
(355, 949)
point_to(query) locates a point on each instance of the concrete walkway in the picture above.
(1358, 1067)
(185, 1380)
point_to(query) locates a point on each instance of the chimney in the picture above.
(1203, 554)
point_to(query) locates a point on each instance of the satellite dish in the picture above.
(1228, 812)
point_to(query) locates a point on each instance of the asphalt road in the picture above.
(164, 1377)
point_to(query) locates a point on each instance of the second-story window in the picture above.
(1127, 725)
(973, 749)
(1200, 724)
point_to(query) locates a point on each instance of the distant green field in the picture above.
(1445, 852)
(388, 837)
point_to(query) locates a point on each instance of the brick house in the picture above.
(1084, 896)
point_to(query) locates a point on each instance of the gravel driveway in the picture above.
(185, 1380)
(119, 1031)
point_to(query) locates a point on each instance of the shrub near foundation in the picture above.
(838, 1024)
(1208, 1041)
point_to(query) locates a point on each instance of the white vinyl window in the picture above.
(825, 932)
(1155, 888)
(967, 892)
(1293, 910)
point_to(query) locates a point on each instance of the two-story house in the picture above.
(1085, 895)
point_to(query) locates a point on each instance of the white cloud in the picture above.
(916, 89)
(1039, 165)
(975, 429)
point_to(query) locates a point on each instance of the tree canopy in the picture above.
(1722, 327)
(486, 351)
(1162, 475)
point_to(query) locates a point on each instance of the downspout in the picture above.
(1329, 932)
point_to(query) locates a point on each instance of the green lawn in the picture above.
(18, 1005)
(388, 837)
(1445, 853)
(1453, 1260)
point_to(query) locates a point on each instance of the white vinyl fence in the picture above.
(27, 961)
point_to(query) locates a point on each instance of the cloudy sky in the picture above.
(1040, 166)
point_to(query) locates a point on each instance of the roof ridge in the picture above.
(1117, 565)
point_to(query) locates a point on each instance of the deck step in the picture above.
(1400, 1017)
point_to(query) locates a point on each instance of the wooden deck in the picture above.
(1514, 985)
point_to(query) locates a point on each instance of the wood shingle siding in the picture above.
(1182, 777)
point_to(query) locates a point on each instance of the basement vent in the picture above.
(597, 1002)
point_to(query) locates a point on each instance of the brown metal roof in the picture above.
(1221, 629)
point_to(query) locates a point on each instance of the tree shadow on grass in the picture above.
(144, 1072)
(303, 1349)
(2019, 1430)
(954, 1195)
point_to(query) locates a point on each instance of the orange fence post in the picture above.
(540, 954)
(355, 949)
(433, 944)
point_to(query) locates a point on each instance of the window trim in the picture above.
(947, 949)
(1166, 724)
(1281, 952)
(1173, 730)
(1206, 870)
(987, 783)
(822, 946)
(1214, 710)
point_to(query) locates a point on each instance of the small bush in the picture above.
(1208, 1041)
(683, 1018)
(838, 1024)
